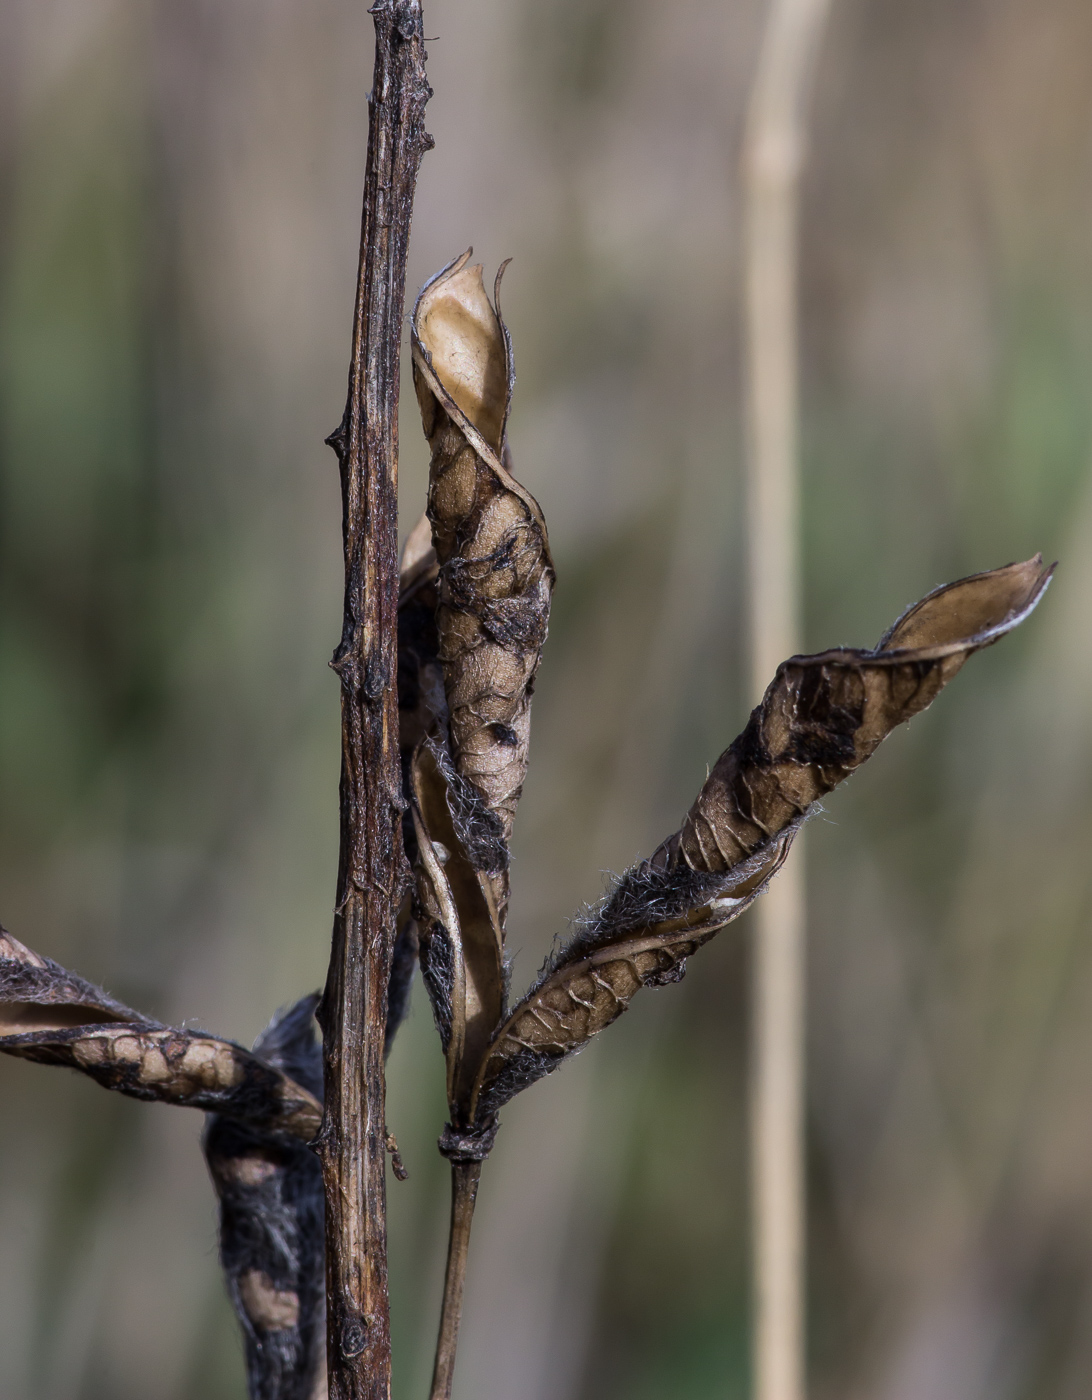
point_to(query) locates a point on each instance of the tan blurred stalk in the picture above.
(772, 159)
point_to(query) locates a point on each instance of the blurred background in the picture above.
(179, 210)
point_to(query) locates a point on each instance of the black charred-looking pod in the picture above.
(420, 703)
(271, 1226)
(54, 1017)
(264, 1109)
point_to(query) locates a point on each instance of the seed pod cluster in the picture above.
(488, 584)
(265, 1109)
(472, 622)
(271, 1225)
(52, 1016)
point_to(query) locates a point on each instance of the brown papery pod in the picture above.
(459, 853)
(495, 570)
(821, 717)
(462, 950)
(452, 840)
(52, 1016)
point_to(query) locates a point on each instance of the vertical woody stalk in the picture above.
(371, 873)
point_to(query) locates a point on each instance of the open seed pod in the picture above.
(820, 718)
(52, 1016)
(421, 698)
(495, 570)
(462, 948)
(421, 703)
(271, 1226)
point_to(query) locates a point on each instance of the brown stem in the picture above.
(464, 1192)
(372, 868)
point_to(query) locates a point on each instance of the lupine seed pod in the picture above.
(639, 936)
(821, 717)
(271, 1226)
(421, 699)
(421, 703)
(462, 950)
(52, 1016)
(495, 570)
(824, 715)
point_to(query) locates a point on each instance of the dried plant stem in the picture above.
(777, 1132)
(773, 155)
(464, 1193)
(372, 873)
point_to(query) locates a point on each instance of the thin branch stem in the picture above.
(372, 868)
(464, 1193)
(772, 160)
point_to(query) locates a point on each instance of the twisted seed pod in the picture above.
(271, 1226)
(495, 570)
(641, 936)
(52, 1016)
(821, 717)
(462, 948)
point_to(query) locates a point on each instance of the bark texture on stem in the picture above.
(372, 871)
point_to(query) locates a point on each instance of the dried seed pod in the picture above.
(495, 570)
(271, 1225)
(462, 952)
(421, 704)
(639, 936)
(52, 1016)
(821, 717)
(421, 700)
